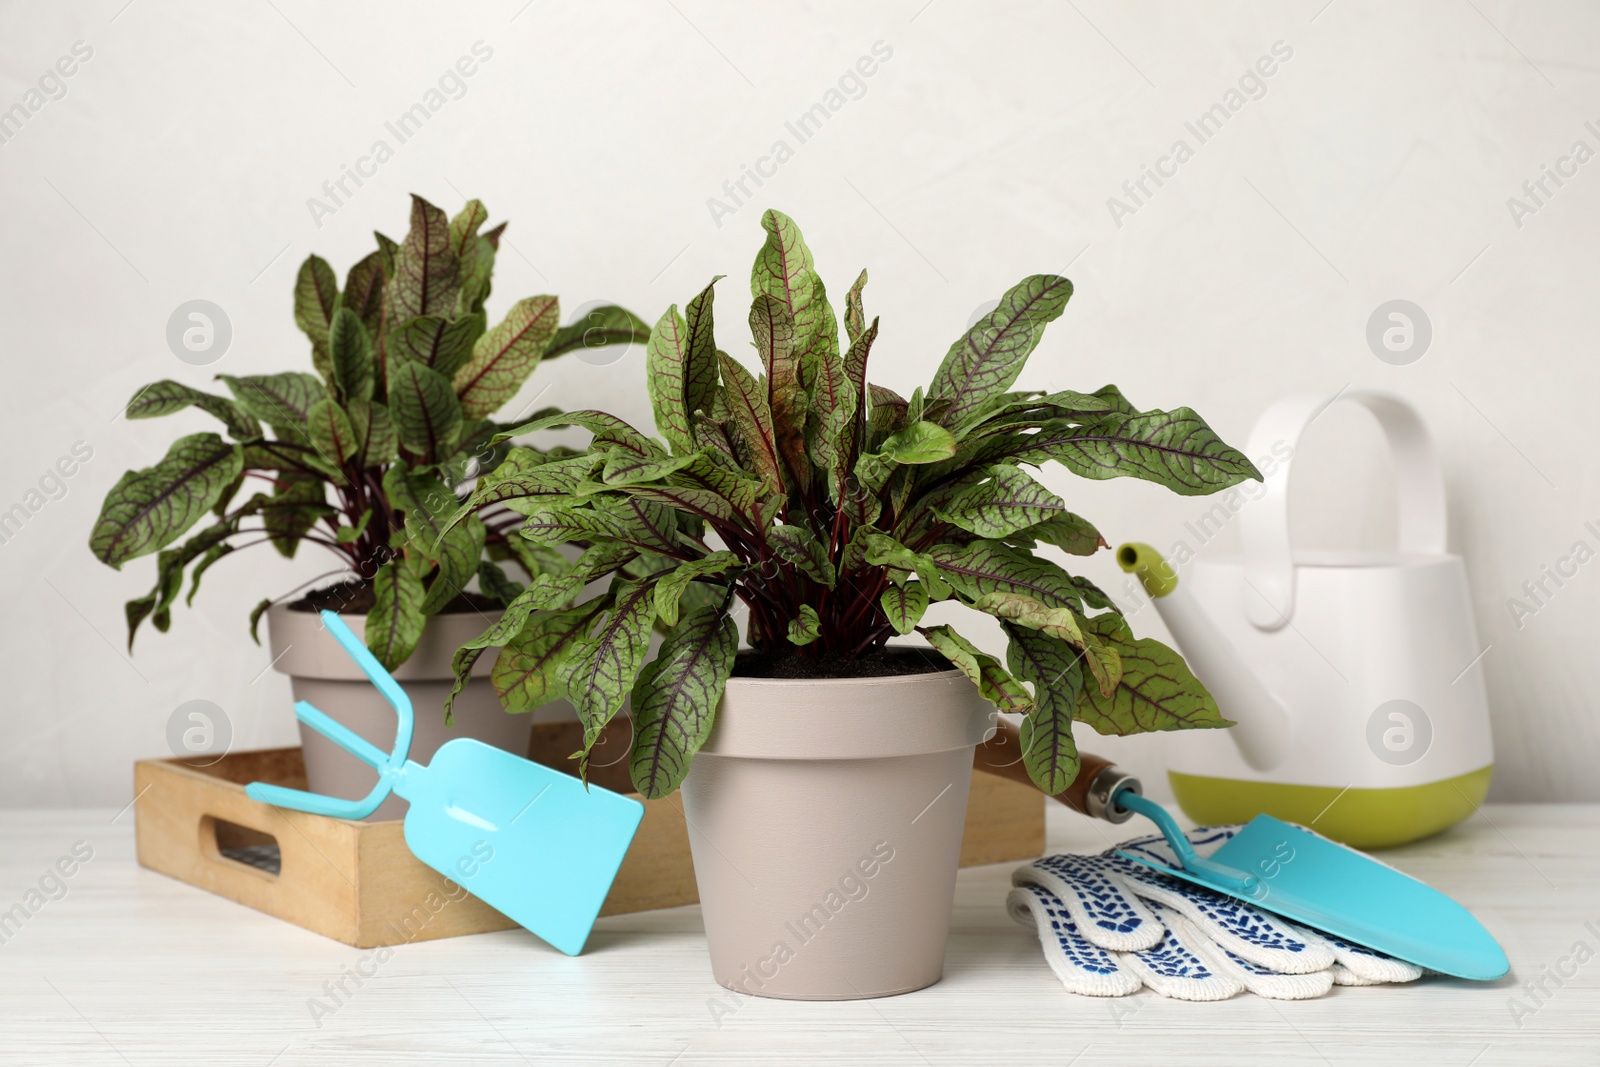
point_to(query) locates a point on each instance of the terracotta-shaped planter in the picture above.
(825, 820)
(320, 672)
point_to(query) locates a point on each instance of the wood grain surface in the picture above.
(130, 967)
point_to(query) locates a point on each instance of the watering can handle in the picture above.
(1264, 525)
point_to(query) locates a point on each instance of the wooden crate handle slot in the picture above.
(241, 846)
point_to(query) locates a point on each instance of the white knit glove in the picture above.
(1110, 926)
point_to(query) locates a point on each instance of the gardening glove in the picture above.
(1110, 926)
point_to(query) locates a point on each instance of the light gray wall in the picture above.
(1376, 164)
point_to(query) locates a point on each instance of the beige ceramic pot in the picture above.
(321, 673)
(825, 820)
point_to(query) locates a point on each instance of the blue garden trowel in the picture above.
(531, 842)
(1282, 868)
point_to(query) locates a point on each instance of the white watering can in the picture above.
(1355, 678)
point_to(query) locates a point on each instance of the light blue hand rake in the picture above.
(531, 842)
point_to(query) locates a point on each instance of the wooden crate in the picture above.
(357, 882)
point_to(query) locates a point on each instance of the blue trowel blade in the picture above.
(529, 841)
(1329, 887)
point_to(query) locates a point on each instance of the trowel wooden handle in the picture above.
(1089, 794)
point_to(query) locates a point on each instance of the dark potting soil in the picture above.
(356, 598)
(883, 663)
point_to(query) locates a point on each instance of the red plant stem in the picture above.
(758, 611)
(502, 523)
(931, 538)
(873, 635)
(343, 550)
(864, 605)
(738, 540)
(278, 483)
(252, 544)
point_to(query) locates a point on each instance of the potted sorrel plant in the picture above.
(362, 458)
(825, 769)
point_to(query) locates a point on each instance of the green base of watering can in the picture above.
(1360, 818)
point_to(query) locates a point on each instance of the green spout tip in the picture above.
(1149, 566)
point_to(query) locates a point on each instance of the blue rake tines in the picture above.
(536, 844)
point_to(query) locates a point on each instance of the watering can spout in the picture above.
(1263, 732)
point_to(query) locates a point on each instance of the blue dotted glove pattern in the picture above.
(1110, 926)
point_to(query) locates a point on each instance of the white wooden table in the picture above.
(130, 967)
